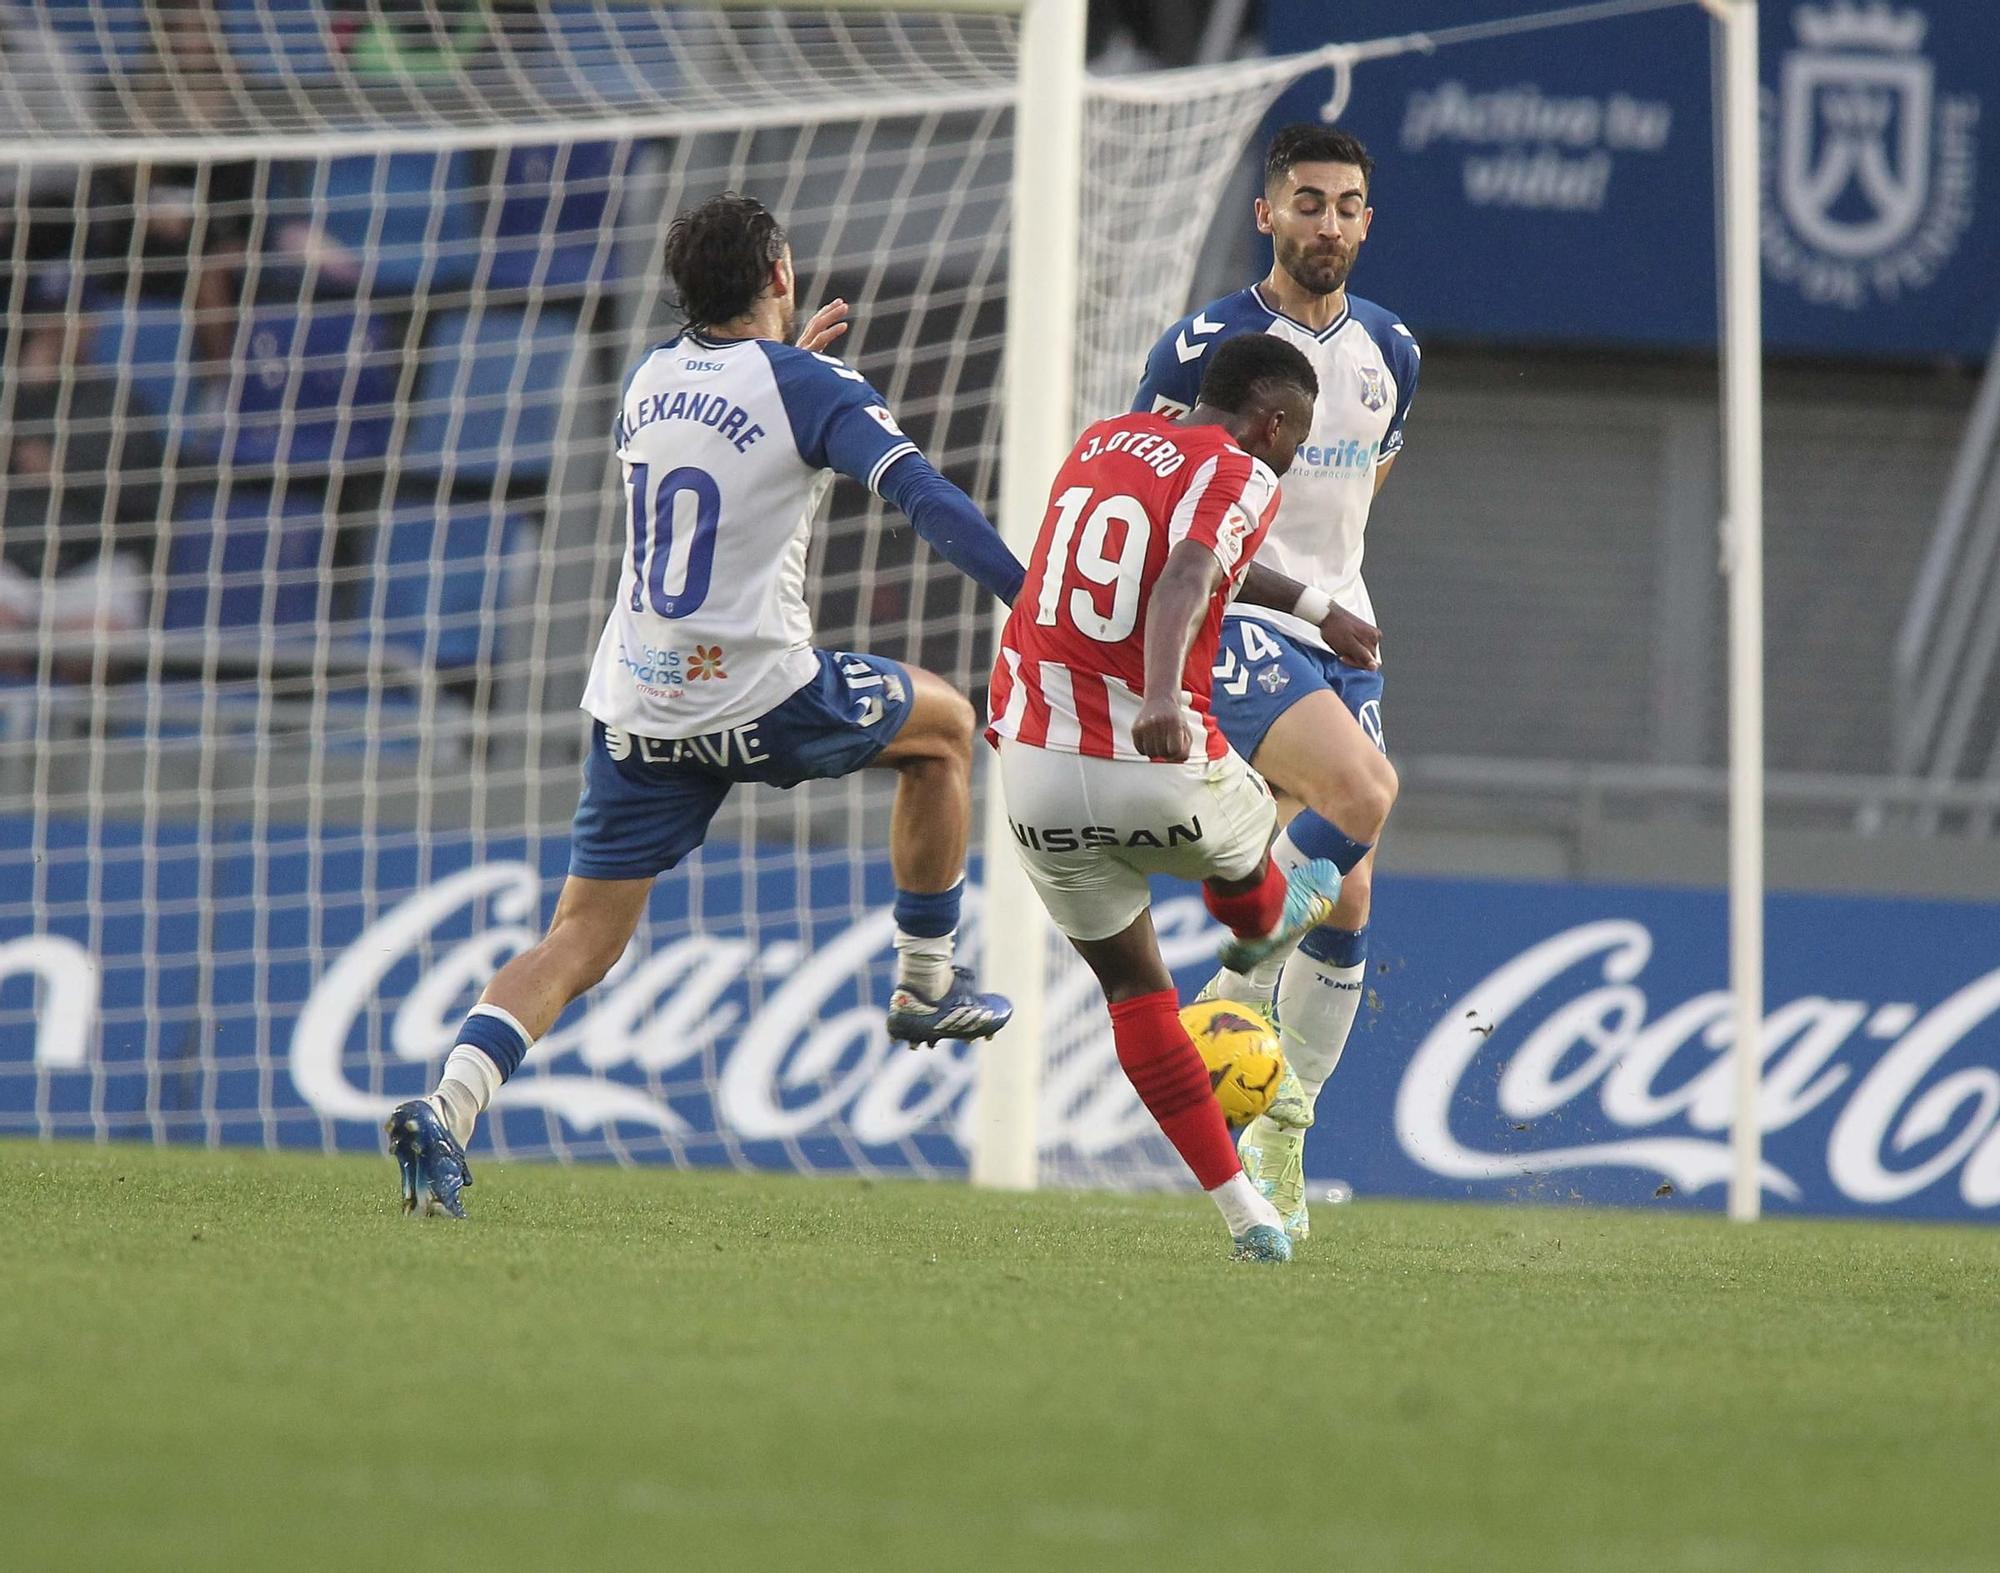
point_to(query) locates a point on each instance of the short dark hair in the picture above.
(719, 256)
(1252, 368)
(1311, 144)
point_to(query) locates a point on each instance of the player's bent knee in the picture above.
(1385, 784)
(956, 721)
(941, 725)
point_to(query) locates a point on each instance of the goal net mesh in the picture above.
(315, 318)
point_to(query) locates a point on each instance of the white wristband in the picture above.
(1312, 606)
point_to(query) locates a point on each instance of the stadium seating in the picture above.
(490, 394)
(152, 345)
(316, 389)
(439, 581)
(103, 33)
(593, 53)
(279, 41)
(550, 205)
(248, 557)
(403, 220)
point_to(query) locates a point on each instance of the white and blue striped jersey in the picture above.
(1367, 364)
(728, 447)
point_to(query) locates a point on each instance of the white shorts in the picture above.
(1089, 831)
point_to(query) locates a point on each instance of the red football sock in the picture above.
(1168, 1074)
(1254, 911)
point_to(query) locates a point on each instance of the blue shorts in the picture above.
(647, 801)
(1261, 673)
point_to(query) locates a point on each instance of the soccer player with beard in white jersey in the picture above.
(707, 675)
(1299, 693)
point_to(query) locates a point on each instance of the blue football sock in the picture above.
(1318, 837)
(926, 920)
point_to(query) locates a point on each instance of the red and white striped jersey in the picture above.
(1072, 664)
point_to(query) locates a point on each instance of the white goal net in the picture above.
(315, 317)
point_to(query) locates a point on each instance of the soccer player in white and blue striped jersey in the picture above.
(1299, 693)
(707, 675)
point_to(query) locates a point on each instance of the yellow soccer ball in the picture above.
(1240, 1049)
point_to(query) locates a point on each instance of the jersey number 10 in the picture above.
(1091, 564)
(655, 539)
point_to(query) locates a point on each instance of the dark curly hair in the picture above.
(1311, 144)
(719, 256)
(1247, 371)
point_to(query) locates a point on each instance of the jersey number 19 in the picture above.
(1087, 558)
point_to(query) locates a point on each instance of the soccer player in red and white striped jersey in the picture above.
(1112, 766)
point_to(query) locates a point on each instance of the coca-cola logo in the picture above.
(1595, 1037)
(68, 989)
(805, 1053)
(1571, 1055)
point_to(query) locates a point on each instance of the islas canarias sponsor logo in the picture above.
(1914, 1094)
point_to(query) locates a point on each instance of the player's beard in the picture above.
(1317, 272)
(788, 317)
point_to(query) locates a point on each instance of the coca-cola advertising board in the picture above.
(1517, 1041)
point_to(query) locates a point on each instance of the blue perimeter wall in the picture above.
(1536, 1041)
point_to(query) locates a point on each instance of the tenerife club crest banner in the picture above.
(1523, 1041)
(1559, 185)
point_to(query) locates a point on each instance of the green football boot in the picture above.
(1273, 1148)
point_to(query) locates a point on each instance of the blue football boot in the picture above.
(433, 1164)
(1262, 1243)
(962, 1013)
(1311, 890)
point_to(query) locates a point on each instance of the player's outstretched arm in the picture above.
(841, 423)
(953, 525)
(1181, 595)
(1354, 639)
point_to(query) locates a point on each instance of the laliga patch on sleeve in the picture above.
(880, 415)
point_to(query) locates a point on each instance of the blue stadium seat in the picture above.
(151, 346)
(605, 54)
(278, 40)
(406, 218)
(439, 581)
(549, 221)
(317, 388)
(249, 559)
(489, 395)
(100, 33)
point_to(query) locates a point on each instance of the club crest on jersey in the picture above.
(1374, 388)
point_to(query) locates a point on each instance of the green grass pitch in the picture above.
(244, 1361)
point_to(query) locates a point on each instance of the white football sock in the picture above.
(1316, 1006)
(1258, 986)
(465, 1090)
(923, 963)
(1243, 1204)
